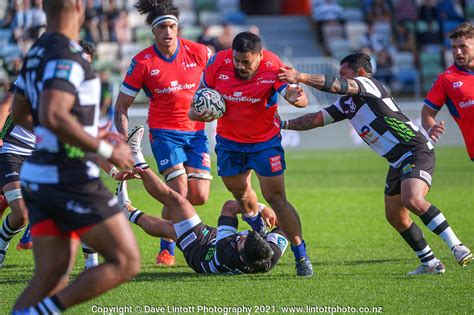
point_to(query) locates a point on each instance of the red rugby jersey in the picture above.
(170, 83)
(251, 105)
(454, 88)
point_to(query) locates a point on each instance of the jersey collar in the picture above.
(464, 70)
(172, 57)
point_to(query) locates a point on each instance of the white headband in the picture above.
(164, 18)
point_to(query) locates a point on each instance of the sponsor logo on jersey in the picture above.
(352, 106)
(269, 64)
(188, 240)
(227, 61)
(457, 84)
(11, 174)
(275, 163)
(164, 162)
(407, 168)
(238, 97)
(265, 81)
(175, 87)
(63, 69)
(223, 77)
(425, 175)
(466, 104)
(368, 136)
(131, 67)
(154, 72)
(147, 56)
(189, 65)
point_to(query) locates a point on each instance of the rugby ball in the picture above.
(209, 99)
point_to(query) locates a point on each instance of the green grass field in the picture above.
(359, 260)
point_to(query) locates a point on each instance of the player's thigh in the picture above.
(179, 181)
(238, 184)
(167, 148)
(113, 239)
(54, 255)
(198, 186)
(272, 187)
(231, 163)
(12, 191)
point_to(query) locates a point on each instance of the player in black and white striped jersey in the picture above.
(58, 95)
(371, 110)
(18, 145)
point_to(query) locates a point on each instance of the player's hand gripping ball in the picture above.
(210, 100)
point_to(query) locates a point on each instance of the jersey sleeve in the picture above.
(367, 87)
(63, 74)
(133, 81)
(226, 226)
(436, 96)
(279, 86)
(209, 74)
(333, 113)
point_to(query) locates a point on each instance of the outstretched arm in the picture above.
(122, 105)
(325, 83)
(305, 122)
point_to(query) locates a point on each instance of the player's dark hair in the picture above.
(88, 47)
(52, 8)
(156, 8)
(464, 29)
(358, 60)
(257, 252)
(247, 42)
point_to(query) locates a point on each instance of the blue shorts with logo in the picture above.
(266, 158)
(172, 147)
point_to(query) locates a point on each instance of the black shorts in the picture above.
(71, 207)
(10, 166)
(420, 165)
(195, 244)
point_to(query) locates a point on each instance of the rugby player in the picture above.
(168, 72)
(371, 110)
(58, 95)
(248, 135)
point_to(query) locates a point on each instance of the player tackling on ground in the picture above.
(380, 123)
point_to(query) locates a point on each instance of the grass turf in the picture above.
(359, 260)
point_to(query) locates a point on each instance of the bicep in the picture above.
(124, 102)
(428, 112)
(54, 103)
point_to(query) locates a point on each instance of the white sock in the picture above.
(91, 260)
(449, 238)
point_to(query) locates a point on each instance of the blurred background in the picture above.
(408, 41)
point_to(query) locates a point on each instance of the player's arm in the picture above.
(205, 115)
(122, 105)
(325, 83)
(54, 113)
(21, 113)
(5, 108)
(433, 128)
(305, 122)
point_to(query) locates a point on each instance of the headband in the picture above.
(164, 18)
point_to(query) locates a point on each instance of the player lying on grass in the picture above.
(206, 249)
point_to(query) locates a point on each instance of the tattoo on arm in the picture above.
(331, 84)
(306, 122)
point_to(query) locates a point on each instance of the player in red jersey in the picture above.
(248, 135)
(454, 88)
(169, 72)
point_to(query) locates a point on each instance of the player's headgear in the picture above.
(358, 60)
(247, 42)
(158, 11)
(256, 252)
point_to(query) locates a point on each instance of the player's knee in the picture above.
(276, 201)
(198, 199)
(414, 204)
(130, 265)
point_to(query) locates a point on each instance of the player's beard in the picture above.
(247, 76)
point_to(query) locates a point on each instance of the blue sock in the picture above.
(26, 238)
(255, 222)
(164, 244)
(299, 251)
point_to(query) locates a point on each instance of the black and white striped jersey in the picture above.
(16, 139)
(55, 62)
(378, 121)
